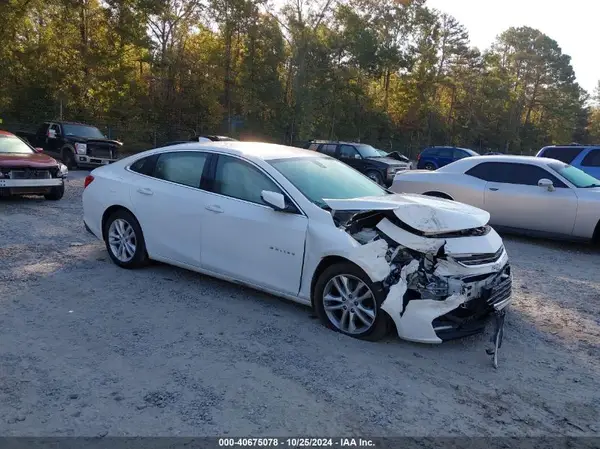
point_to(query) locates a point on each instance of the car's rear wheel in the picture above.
(56, 193)
(124, 240)
(429, 166)
(375, 176)
(346, 301)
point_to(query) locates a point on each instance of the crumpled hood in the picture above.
(21, 160)
(424, 213)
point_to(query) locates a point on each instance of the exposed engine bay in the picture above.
(439, 285)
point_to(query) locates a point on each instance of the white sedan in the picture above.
(529, 195)
(304, 226)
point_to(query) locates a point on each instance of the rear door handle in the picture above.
(215, 208)
(493, 189)
(145, 191)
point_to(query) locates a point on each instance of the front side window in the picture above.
(368, 151)
(592, 159)
(460, 154)
(12, 144)
(182, 167)
(320, 178)
(348, 152)
(238, 179)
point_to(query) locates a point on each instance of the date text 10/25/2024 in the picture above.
(295, 442)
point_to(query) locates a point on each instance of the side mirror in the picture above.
(38, 150)
(274, 199)
(546, 184)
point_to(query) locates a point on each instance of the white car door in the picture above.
(513, 198)
(170, 205)
(244, 238)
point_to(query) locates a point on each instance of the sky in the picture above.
(571, 23)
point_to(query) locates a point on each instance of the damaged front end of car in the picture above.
(444, 270)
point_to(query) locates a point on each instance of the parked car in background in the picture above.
(433, 158)
(25, 170)
(204, 138)
(362, 157)
(76, 144)
(584, 157)
(531, 195)
(398, 156)
(306, 227)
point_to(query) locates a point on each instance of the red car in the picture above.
(24, 170)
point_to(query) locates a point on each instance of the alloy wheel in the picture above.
(349, 304)
(122, 240)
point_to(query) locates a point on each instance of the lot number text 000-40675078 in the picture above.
(295, 442)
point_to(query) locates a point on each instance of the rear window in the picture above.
(563, 154)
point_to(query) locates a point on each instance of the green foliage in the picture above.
(397, 74)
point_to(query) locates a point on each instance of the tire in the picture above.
(68, 158)
(439, 195)
(375, 176)
(326, 283)
(56, 193)
(123, 222)
(429, 166)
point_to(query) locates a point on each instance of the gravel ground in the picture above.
(89, 349)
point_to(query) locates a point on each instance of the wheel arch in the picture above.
(111, 210)
(331, 260)
(596, 235)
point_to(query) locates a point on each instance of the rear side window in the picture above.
(144, 166)
(563, 154)
(313, 146)
(445, 152)
(592, 159)
(328, 148)
(184, 167)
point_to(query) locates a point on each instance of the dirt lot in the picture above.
(89, 349)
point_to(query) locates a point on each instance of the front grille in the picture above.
(480, 259)
(104, 152)
(30, 173)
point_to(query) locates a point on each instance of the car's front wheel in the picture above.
(375, 176)
(124, 240)
(347, 301)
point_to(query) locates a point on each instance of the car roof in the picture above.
(468, 162)
(569, 146)
(249, 150)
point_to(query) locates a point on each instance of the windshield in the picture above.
(575, 176)
(324, 177)
(10, 144)
(368, 151)
(89, 132)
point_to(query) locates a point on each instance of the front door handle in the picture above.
(215, 208)
(145, 191)
(493, 189)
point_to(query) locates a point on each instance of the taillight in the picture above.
(88, 181)
(418, 156)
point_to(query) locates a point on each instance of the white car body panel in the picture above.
(569, 212)
(279, 252)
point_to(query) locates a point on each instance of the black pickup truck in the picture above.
(76, 144)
